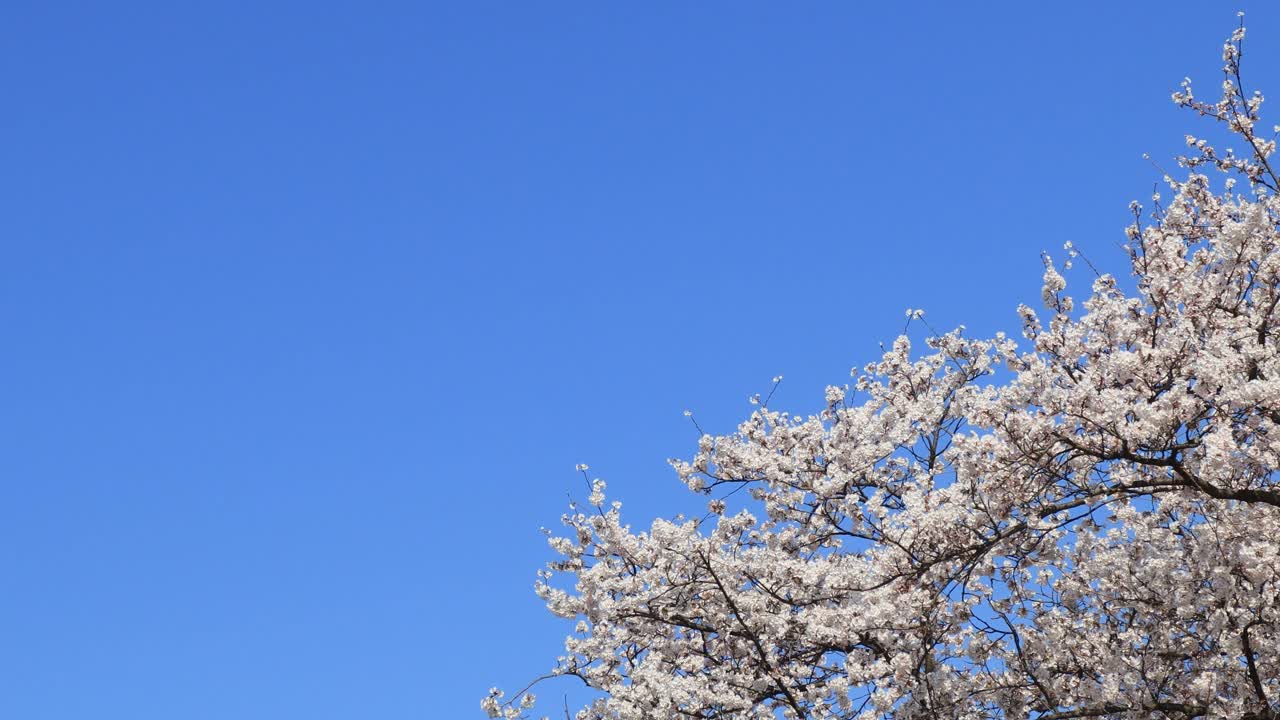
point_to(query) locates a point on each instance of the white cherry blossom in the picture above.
(1084, 524)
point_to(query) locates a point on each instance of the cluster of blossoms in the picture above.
(1084, 524)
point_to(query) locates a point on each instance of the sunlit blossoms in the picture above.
(1081, 524)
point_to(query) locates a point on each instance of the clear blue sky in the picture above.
(310, 309)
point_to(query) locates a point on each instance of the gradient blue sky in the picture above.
(310, 309)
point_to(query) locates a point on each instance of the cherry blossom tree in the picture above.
(1081, 524)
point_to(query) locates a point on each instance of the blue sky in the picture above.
(311, 308)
